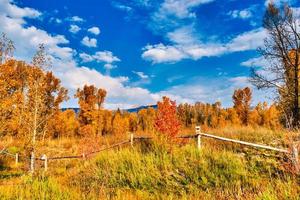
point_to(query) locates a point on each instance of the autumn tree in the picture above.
(241, 100)
(63, 124)
(120, 123)
(90, 100)
(282, 51)
(146, 119)
(45, 93)
(6, 48)
(166, 120)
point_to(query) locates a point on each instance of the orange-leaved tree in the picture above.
(166, 120)
(241, 100)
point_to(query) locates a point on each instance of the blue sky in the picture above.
(141, 50)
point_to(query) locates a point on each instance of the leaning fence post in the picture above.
(131, 139)
(32, 158)
(198, 131)
(295, 158)
(45, 158)
(17, 158)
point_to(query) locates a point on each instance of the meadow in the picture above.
(159, 169)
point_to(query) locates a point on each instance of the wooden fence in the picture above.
(293, 153)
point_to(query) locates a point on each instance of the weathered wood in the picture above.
(295, 158)
(17, 158)
(45, 158)
(131, 139)
(186, 136)
(198, 131)
(64, 157)
(198, 141)
(142, 138)
(32, 160)
(245, 143)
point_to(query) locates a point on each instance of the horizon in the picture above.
(139, 51)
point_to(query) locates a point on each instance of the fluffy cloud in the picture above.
(76, 19)
(173, 53)
(121, 7)
(8, 8)
(142, 75)
(243, 14)
(109, 66)
(256, 62)
(106, 57)
(247, 41)
(100, 56)
(89, 42)
(160, 53)
(175, 21)
(74, 28)
(180, 8)
(95, 30)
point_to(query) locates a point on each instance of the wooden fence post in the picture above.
(198, 131)
(17, 158)
(295, 158)
(45, 158)
(32, 159)
(83, 156)
(131, 139)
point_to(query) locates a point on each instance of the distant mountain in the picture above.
(76, 110)
(131, 110)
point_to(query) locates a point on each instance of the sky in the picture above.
(141, 50)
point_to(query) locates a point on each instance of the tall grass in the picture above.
(157, 170)
(184, 173)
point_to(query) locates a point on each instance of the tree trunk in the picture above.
(296, 97)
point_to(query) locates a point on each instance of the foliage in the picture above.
(166, 120)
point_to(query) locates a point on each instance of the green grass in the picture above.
(184, 173)
(160, 171)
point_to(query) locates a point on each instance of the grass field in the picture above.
(160, 170)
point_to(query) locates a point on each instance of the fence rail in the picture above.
(293, 153)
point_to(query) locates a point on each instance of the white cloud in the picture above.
(249, 40)
(89, 42)
(76, 19)
(105, 56)
(160, 53)
(243, 14)
(122, 7)
(183, 35)
(173, 53)
(109, 66)
(8, 8)
(256, 62)
(86, 57)
(58, 21)
(74, 28)
(180, 8)
(142, 75)
(100, 56)
(95, 30)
